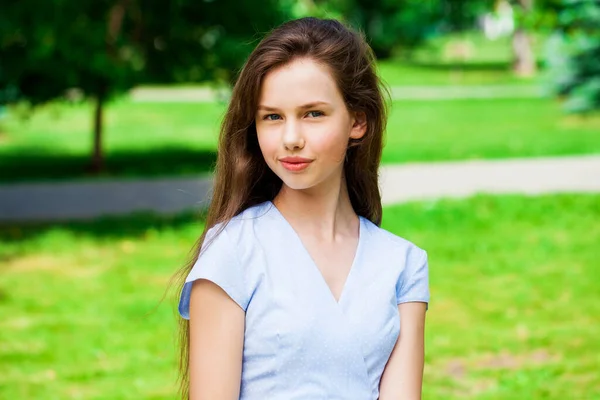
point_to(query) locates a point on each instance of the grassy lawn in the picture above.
(150, 139)
(486, 62)
(515, 308)
(481, 49)
(424, 73)
(476, 129)
(140, 139)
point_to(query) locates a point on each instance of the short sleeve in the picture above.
(218, 263)
(413, 283)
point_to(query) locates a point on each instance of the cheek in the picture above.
(331, 144)
(268, 145)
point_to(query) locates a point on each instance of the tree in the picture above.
(524, 60)
(573, 56)
(105, 47)
(530, 15)
(389, 25)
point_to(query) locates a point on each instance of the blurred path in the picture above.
(399, 183)
(197, 94)
(529, 176)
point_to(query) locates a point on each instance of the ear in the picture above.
(359, 125)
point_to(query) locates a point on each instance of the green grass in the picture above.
(140, 139)
(421, 73)
(481, 50)
(476, 129)
(517, 289)
(515, 301)
(436, 63)
(151, 139)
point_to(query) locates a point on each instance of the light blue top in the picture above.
(299, 342)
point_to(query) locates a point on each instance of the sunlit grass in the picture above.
(150, 139)
(514, 313)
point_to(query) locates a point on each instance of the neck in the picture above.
(322, 211)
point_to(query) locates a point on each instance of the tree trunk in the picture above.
(524, 59)
(524, 64)
(98, 156)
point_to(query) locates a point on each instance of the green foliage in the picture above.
(392, 24)
(104, 47)
(573, 56)
(460, 15)
(541, 17)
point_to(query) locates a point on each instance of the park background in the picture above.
(127, 91)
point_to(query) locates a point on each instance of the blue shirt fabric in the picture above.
(299, 342)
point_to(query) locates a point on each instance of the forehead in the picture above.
(299, 82)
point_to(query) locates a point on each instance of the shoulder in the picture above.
(224, 260)
(389, 244)
(408, 262)
(242, 229)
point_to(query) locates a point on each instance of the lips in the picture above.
(295, 160)
(295, 163)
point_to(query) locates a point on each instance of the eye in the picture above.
(266, 117)
(317, 112)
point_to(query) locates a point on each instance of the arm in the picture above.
(402, 378)
(216, 343)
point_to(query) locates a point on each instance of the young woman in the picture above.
(297, 292)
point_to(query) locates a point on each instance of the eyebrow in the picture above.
(304, 107)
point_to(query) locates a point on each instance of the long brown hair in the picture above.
(243, 179)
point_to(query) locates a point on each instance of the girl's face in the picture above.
(302, 116)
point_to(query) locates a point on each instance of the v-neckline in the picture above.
(353, 266)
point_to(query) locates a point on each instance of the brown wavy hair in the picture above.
(243, 179)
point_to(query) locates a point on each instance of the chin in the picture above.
(305, 181)
(298, 184)
(297, 181)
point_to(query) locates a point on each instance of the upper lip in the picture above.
(295, 159)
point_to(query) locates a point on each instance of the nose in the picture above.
(292, 136)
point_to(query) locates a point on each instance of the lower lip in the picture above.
(294, 166)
